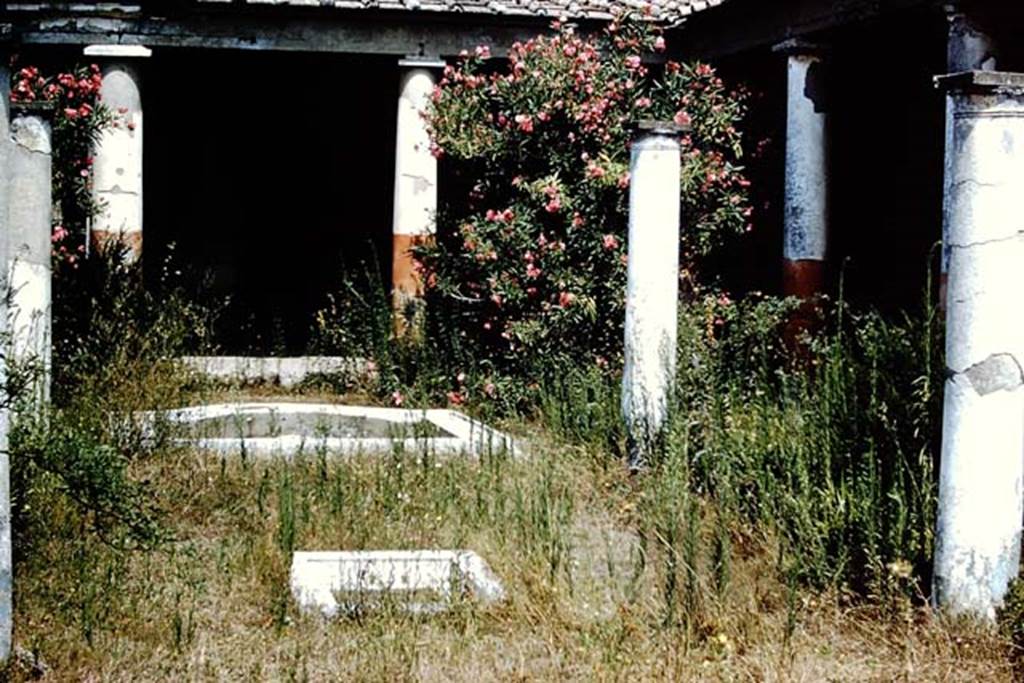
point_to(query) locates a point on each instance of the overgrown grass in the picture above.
(783, 532)
(115, 351)
(588, 558)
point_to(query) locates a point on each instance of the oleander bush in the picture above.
(529, 261)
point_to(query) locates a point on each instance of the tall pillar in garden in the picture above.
(982, 471)
(30, 211)
(968, 48)
(117, 170)
(652, 295)
(805, 230)
(415, 189)
(6, 556)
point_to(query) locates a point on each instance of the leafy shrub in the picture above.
(116, 342)
(68, 456)
(530, 253)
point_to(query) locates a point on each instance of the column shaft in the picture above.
(6, 555)
(30, 212)
(652, 298)
(805, 237)
(415, 202)
(982, 470)
(967, 49)
(117, 180)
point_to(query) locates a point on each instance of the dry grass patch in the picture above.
(595, 591)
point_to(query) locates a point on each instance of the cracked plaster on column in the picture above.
(998, 372)
(31, 133)
(29, 233)
(967, 49)
(982, 467)
(420, 184)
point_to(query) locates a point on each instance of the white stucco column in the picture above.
(982, 471)
(652, 296)
(415, 203)
(6, 556)
(968, 48)
(117, 169)
(30, 211)
(805, 231)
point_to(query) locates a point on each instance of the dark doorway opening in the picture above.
(268, 177)
(887, 159)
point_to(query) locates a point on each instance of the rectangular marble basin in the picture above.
(290, 428)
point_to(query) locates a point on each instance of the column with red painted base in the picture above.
(415, 189)
(805, 232)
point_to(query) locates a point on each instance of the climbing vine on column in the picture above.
(79, 119)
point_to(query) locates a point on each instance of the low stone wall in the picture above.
(284, 372)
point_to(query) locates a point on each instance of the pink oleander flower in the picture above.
(659, 43)
(610, 242)
(566, 299)
(397, 399)
(633, 62)
(524, 122)
(682, 118)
